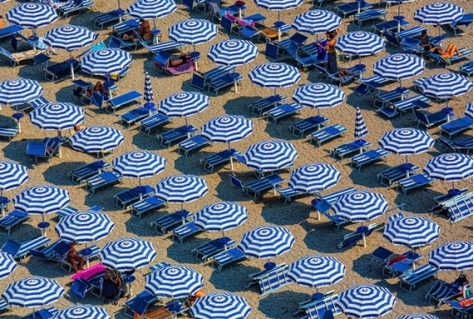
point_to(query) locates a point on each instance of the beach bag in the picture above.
(110, 290)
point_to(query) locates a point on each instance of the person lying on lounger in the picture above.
(450, 51)
(144, 30)
(180, 60)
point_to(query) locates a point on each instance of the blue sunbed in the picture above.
(121, 100)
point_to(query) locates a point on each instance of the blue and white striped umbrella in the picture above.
(32, 15)
(57, 116)
(456, 255)
(227, 128)
(181, 188)
(366, 301)
(406, 141)
(278, 5)
(127, 254)
(266, 242)
(152, 9)
(12, 175)
(174, 282)
(42, 199)
(360, 129)
(82, 312)
(360, 206)
(411, 231)
(32, 292)
(360, 43)
(313, 178)
(148, 96)
(438, 13)
(184, 104)
(468, 110)
(316, 271)
(221, 216)
(193, 31)
(450, 167)
(274, 75)
(399, 66)
(19, 91)
(106, 61)
(319, 95)
(417, 316)
(316, 21)
(139, 164)
(270, 155)
(84, 227)
(220, 305)
(7, 265)
(446, 85)
(96, 139)
(232, 52)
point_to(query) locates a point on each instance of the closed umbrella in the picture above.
(220, 305)
(148, 96)
(360, 129)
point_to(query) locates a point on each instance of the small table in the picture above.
(43, 226)
(86, 252)
(281, 27)
(4, 204)
(128, 281)
(156, 35)
(195, 56)
(18, 116)
(234, 76)
(269, 265)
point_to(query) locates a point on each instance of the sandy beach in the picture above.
(313, 236)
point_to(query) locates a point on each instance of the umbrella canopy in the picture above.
(184, 104)
(450, 167)
(399, 66)
(227, 128)
(32, 15)
(148, 90)
(57, 116)
(360, 206)
(139, 164)
(360, 43)
(456, 255)
(96, 139)
(82, 312)
(232, 52)
(468, 110)
(438, 13)
(193, 31)
(181, 188)
(366, 301)
(174, 282)
(32, 292)
(316, 21)
(42, 199)
(266, 242)
(278, 5)
(152, 9)
(127, 254)
(417, 316)
(406, 141)
(270, 155)
(106, 61)
(274, 75)
(411, 231)
(313, 178)
(316, 271)
(444, 86)
(12, 175)
(19, 91)
(360, 129)
(319, 95)
(7, 265)
(220, 305)
(84, 227)
(221, 216)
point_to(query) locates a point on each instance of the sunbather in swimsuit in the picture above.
(450, 51)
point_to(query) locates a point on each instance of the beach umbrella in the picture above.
(316, 271)
(316, 21)
(12, 175)
(313, 178)
(96, 139)
(468, 110)
(411, 231)
(57, 116)
(221, 216)
(19, 91)
(450, 168)
(232, 52)
(319, 95)
(438, 13)
(82, 312)
(7, 265)
(152, 9)
(184, 104)
(106, 61)
(417, 316)
(406, 141)
(84, 227)
(366, 301)
(456, 255)
(278, 5)
(148, 96)
(399, 66)
(360, 129)
(220, 305)
(70, 38)
(32, 292)
(266, 242)
(181, 188)
(174, 282)
(274, 75)
(127, 254)
(139, 164)
(360, 43)
(270, 155)
(193, 31)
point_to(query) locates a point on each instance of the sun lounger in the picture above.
(289, 194)
(260, 106)
(273, 280)
(382, 255)
(169, 221)
(138, 305)
(304, 62)
(459, 144)
(60, 70)
(219, 158)
(461, 309)
(257, 187)
(409, 280)
(125, 26)
(465, 53)
(45, 313)
(385, 98)
(400, 264)
(101, 180)
(132, 195)
(119, 43)
(303, 126)
(455, 126)
(327, 133)
(403, 106)
(349, 148)
(89, 280)
(145, 205)
(217, 72)
(368, 157)
(323, 207)
(324, 308)
(210, 248)
(389, 25)
(10, 30)
(162, 62)
(226, 258)
(35, 103)
(465, 21)
(123, 99)
(466, 68)
(432, 119)
(87, 170)
(351, 8)
(176, 134)
(282, 111)
(187, 230)
(297, 39)
(442, 291)
(14, 218)
(393, 174)
(107, 17)
(224, 81)
(155, 121)
(193, 143)
(354, 71)
(391, 38)
(409, 33)
(166, 46)
(75, 6)
(9, 132)
(45, 149)
(17, 57)
(19, 250)
(413, 182)
(367, 15)
(136, 115)
(460, 209)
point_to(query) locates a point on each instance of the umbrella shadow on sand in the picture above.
(290, 214)
(15, 151)
(55, 174)
(360, 177)
(240, 106)
(287, 302)
(239, 274)
(175, 250)
(320, 236)
(416, 201)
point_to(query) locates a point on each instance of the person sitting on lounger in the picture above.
(450, 51)
(144, 30)
(192, 299)
(425, 41)
(112, 288)
(76, 261)
(462, 284)
(180, 60)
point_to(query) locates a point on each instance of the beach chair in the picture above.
(104, 179)
(400, 264)
(460, 209)
(89, 280)
(327, 133)
(288, 194)
(176, 134)
(226, 258)
(392, 38)
(187, 230)
(193, 143)
(461, 309)
(323, 308)
(19, 250)
(45, 313)
(224, 81)
(108, 17)
(257, 187)
(412, 45)
(75, 6)
(123, 99)
(296, 39)
(455, 126)
(385, 98)
(406, 105)
(139, 304)
(368, 15)
(409, 33)
(413, 182)
(351, 8)
(132, 195)
(442, 291)
(195, 5)
(153, 122)
(36, 103)
(218, 158)
(83, 172)
(12, 219)
(167, 222)
(393, 174)
(368, 157)
(145, 205)
(10, 30)
(465, 21)
(216, 73)
(349, 148)
(409, 280)
(301, 127)
(304, 62)
(60, 71)
(9, 132)
(17, 57)
(167, 46)
(119, 43)
(466, 68)
(354, 71)
(382, 255)
(210, 248)
(322, 206)
(273, 280)
(449, 196)
(162, 62)
(462, 143)
(389, 25)
(125, 26)
(432, 119)
(48, 148)
(282, 111)
(465, 53)
(260, 106)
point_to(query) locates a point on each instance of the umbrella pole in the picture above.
(120, 16)
(2, 205)
(71, 64)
